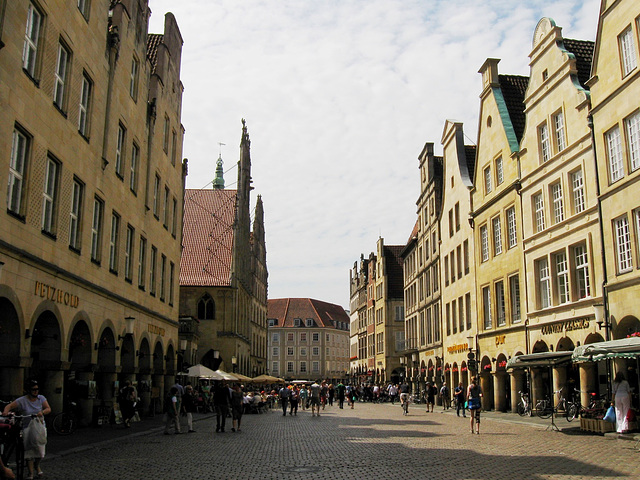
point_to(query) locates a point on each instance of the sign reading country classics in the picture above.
(566, 326)
(56, 295)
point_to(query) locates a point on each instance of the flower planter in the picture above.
(596, 425)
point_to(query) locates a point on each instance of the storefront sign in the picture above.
(155, 330)
(56, 295)
(567, 326)
(460, 348)
(500, 339)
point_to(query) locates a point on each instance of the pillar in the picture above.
(144, 390)
(500, 391)
(84, 404)
(158, 385)
(588, 381)
(517, 381)
(12, 381)
(53, 389)
(559, 383)
(487, 391)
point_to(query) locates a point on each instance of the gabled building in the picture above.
(615, 110)
(458, 285)
(421, 271)
(223, 275)
(561, 232)
(497, 223)
(90, 149)
(308, 340)
(358, 281)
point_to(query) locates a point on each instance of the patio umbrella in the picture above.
(265, 379)
(242, 378)
(226, 376)
(201, 371)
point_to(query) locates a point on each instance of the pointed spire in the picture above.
(218, 182)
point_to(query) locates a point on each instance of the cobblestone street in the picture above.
(371, 441)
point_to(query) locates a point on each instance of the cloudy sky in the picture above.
(340, 98)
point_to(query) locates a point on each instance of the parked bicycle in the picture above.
(524, 405)
(12, 442)
(65, 423)
(545, 407)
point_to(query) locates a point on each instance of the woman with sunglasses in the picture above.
(31, 404)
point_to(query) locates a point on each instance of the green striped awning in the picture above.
(596, 352)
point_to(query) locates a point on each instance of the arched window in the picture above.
(206, 308)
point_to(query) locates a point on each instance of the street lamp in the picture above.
(234, 363)
(129, 323)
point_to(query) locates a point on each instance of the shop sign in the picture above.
(459, 348)
(56, 295)
(500, 339)
(155, 330)
(566, 326)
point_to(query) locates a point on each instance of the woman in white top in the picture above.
(622, 402)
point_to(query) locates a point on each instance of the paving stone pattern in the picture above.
(370, 442)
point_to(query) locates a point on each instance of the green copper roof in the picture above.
(218, 182)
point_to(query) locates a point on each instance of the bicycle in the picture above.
(524, 405)
(405, 403)
(12, 442)
(65, 423)
(544, 407)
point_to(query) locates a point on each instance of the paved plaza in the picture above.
(369, 442)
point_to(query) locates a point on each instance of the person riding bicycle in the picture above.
(404, 394)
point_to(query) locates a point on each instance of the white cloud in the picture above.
(339, 98)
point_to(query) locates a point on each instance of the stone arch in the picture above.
(540, 346)
(625, 327)
(593, 338)
(10, 331)
(170, 364)
(565, 344)
(158, 358)
(80, 345)
(144, 355)
(485, 365)
(501, 362)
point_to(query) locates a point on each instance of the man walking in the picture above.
(285, 393)
(221, 400)
(340, 390)
(393, 392)
(314, 391)
(446, 398)
(459, 394)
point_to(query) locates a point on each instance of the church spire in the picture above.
(218, 182)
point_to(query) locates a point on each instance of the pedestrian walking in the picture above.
(171, 412)
(221, 401)
(127, 401)
(31, 404)
(431, 396)
(446, 398)
(304, 397)
(314, 399)
(237, 407)
(332, 393)
(474, 396)
(285, 394)
(393, 392)
(459, 395)
(294, 399)
(622, 402)
(189, 406)
(340, 391)
(324, 393)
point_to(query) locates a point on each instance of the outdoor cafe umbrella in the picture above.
(226, 376)
(242, 378)
(201, 371)
(265, 379)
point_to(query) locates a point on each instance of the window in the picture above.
(486, 307)
(120, 150)
(562, 277)
(174, 216)
(558, 204)
(75, 215)
(315, 337)
(289, 367)
(315, 351)
(152, 270)
(500, 305)
(627, 51)
(484, 242)
(275, 367)
(450, 222)
(632, 127)
(290, 351)
(465, 247)
(83, 6)
(447, 314)
(454, 316)
(165, 211)
(487, 180)
(538, 208)
(31, 39)
(459, 260)
(309, 323)
(114, 241)
(135, 157)
(50, 196)
(446, 270)
(614, 154)
(19, 152)
(133, 78)
(275, 338)
(315, 366)
(545, 146)
(303, 367)
(461, 313)
(156, 192)
(303, 337)
(497, 236)
(96, 229)
(163, 277)
(276, 351)
(467, 307)
(165, 134)
(544, 283)
(577, 185)
(142, 263)
(583, 283)
(290, 337)
(60, 76)
(174, 147)
(512, 238)
(558, 125)
(623, 243)
(499, 171)
(83, 107)
(457, 216)
(514, 295)
(296, 322)
(399, 317)
(128, 253)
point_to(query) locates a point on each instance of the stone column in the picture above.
(588, 381)
(499, 391)
(158, 382)
(53, 390)
(559, 383)
(537, 386)
(12, 381)
(144, 390)
(517, 378)
(85, 405)
(487, 391)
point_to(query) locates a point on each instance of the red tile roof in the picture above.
(285, 310)
(153, 40)
(207, 237)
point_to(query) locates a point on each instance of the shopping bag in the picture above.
(610, 416)
(631, 415)
(35, 435)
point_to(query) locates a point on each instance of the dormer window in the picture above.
(297, 322)
(273, 322)
(309, 322)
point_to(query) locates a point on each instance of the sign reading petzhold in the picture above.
(56, 295)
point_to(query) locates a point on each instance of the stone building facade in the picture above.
(90, 149)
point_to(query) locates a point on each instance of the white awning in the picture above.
(541, 359)
(595, 352)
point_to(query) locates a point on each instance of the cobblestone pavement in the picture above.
(369, 442)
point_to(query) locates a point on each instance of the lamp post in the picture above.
(234, 363)
(601, 316)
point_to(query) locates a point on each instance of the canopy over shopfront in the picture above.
(595, 352)
(542, 359)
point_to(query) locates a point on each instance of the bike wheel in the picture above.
(521, 410)
(64, 424)
(543, 410)
(572, 411)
